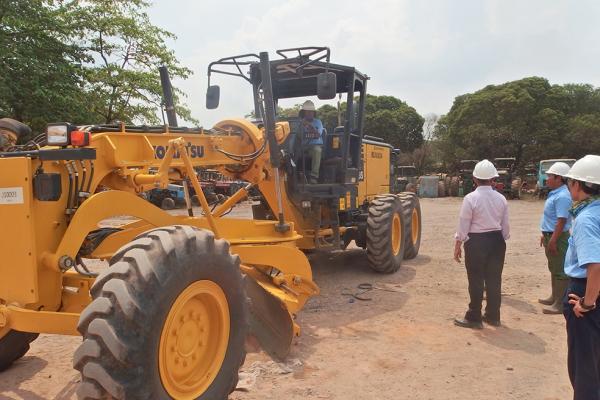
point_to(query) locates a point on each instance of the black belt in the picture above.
(547, 233)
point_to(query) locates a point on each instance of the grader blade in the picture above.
(270, 322)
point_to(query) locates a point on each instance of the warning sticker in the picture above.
(11, 195)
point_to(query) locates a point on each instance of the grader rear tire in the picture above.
(168, 320)
(412, 217)
(13, 346)
(385, 234)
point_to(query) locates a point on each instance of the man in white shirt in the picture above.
(483, 229)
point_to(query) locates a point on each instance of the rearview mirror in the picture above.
(213, 93)
(326, 85)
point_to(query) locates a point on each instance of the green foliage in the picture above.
(127, 50)
(385, 116)
(93, 61)
(528, 119)
(394, 121)
(41, 73)
(329, 117)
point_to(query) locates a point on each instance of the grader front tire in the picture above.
(13, 346)
(385, 234)
(168, 320)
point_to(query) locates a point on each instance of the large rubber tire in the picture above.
(454, 185)
(411, 187)
(411, 207)
(13, 346)
(122, 328)
(386, 215)
(441, 189)
(447, 181)
(167, 203)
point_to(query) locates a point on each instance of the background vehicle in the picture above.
(508, 183)
(407, 178)
(169, 198)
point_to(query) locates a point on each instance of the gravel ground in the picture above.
(400, 344)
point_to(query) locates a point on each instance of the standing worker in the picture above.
(582, 265)
(555, 225)
(10, 132)
(313, 138)
(483, 228)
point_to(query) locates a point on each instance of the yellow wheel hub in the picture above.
(194, 340)
(396, 234)
(415, 226)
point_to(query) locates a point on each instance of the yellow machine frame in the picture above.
(41, 295)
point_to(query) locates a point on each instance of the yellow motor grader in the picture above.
(169, 317)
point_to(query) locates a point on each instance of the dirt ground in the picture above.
(400, 344)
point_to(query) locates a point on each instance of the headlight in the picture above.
(58, 134)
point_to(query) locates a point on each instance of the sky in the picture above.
(425, 52)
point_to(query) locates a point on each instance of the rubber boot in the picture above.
(559, 289)
(550, 300)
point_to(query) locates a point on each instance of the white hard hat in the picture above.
(586, 169)
(308, 106)
(559, 168)
(485, 170)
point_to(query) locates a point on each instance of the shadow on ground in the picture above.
(508, 338)
(21, 371)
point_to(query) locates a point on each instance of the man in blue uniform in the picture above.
(582, 265)
(313, 138)
(555, 226)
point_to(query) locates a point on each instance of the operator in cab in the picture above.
(312, 128)
(10, 132)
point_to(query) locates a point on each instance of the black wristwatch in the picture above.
(586, 307)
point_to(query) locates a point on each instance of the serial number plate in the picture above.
(11, 195)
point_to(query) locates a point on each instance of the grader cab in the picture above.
(169, 317)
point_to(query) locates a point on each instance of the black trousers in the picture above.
(484, 259)
(583, 339)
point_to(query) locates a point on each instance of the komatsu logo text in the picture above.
(192, 150)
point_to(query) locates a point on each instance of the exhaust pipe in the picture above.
(167, 88)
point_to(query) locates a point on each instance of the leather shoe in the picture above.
(465, 323)
(489, 321)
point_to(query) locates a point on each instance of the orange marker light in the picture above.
(80, 138)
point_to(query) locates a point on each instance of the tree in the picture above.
(41, 73)
(93, 61)
(127, 51)
(528, 119)
(395, 121)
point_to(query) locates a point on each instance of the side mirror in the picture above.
(326, 85)
(213, 93)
